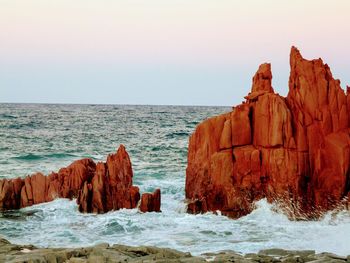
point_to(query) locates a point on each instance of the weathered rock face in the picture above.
(111, 186)
(150, 202)
(293, 150)
(99, 188)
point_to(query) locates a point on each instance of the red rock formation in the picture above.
(111, 186)
(293, 150)
(98, 188)
(150, 202)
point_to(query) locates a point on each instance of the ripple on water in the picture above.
(28, 157)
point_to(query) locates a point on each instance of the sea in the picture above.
(46, 137)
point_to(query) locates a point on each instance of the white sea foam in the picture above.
(60, 224)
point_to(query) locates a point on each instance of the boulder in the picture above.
(294, 151)
(150, 202)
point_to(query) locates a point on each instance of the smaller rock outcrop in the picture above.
(99, 188)
(150, 202)
(111, 187)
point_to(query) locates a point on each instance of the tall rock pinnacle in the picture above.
(294, 151)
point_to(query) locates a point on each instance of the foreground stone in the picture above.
(96, 254)
(119, 253)
(99, 188)
(293, 150)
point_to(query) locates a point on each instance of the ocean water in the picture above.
(45, 138)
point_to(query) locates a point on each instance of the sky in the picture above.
(163, 52)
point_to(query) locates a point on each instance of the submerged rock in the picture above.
(99, 188)
(293, 150)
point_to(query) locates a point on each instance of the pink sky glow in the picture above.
(196, 35)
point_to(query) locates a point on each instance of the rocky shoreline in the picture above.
(294, 151)
(12, 253)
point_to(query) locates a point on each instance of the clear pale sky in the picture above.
(187, 52)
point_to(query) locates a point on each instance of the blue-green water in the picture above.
(45, 138)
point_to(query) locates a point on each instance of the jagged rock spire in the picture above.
(262, 79)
